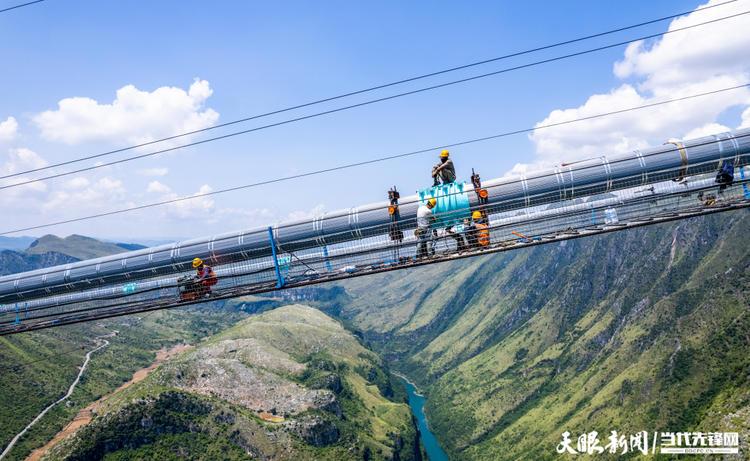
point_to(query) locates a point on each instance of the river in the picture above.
(416, 402)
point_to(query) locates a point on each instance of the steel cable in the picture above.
(319, 114)
(367, 162)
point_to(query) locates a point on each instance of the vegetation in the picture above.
(76, 246)
(294, 362)
(639, 330)
(28, 389)
(12, 262)
(178, 447)
(644, 329)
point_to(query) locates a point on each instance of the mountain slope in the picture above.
(604, 333)
(12, 262)
(334, 398)
(76, 246)
(39, 367)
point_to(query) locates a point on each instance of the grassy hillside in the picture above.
(639, 330)
(336, 399)
(77, 246)
(644, 329)
(34, 374)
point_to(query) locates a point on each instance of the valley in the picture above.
(643, 330)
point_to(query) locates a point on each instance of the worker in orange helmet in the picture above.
(444, 170)
(478, 233)
(205, 278)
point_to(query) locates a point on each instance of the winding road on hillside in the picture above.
(70, 391)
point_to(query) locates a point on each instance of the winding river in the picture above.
(416, 402)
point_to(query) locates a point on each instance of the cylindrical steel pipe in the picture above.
(589, 177)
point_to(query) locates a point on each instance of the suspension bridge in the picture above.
(677, 180)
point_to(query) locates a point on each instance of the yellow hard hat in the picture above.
(476, 215)
(197, 262)
(432, 202)
(444, 154)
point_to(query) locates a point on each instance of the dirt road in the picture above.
(84, 416)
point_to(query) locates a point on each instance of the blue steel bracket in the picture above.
(744, 184)
(328, 263)
(279, 279)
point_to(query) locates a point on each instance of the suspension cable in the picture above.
(319, 114)
(368, 162)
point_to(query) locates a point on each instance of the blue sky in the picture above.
(254, 57)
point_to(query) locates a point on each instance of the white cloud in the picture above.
(745, 119)
(135, 117)
(76, 183)
(24, 159)
(700, 60)
(153, 171)
(197, 208)
(306, 214)
(103, 195)
(697, 54)
(8, 130)
(156, 186)
(706, 130)
(14, 160)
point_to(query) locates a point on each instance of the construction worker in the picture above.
(725, 177)
(478, 233)
(425, 219)
(444, 170)
(459, 238)
(205, 278)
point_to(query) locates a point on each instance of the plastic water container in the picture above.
(610, 216)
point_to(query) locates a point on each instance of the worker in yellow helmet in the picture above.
(425, 220)
(205, 279)
(478, 233)
(444, 170)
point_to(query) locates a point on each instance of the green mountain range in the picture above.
(641, 330)
(333, 398)
(78, 246)
(50, 251)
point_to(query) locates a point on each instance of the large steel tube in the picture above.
(262, 273)
(672, 161)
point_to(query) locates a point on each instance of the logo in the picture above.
(669, 443)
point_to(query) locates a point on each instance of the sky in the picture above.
(81, 77)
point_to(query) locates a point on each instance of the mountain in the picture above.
(12, 262)
(37, 368)
(285, 384)
(644, 329)
(639, 330)
(76, 246)
(15, 243)
(51, 251)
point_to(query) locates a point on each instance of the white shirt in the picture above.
(423, 216)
